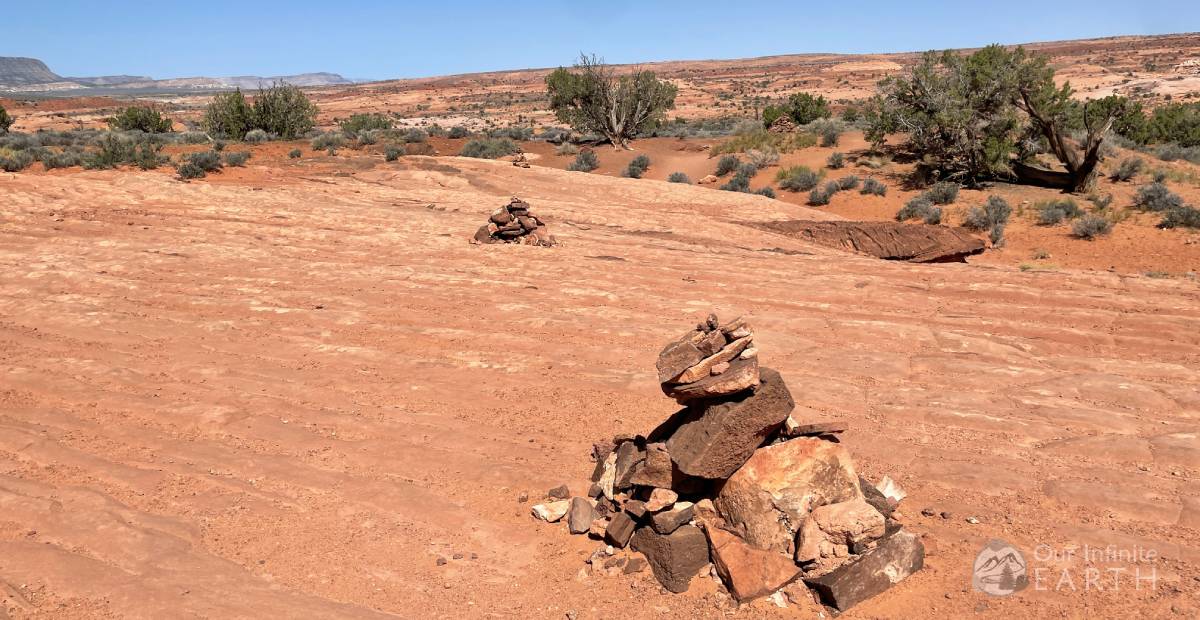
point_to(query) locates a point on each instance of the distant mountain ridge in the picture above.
(19, 74)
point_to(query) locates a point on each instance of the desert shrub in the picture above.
(918, 208)
(65, 159)
(1128, 168)
(805, 108)
(1102, 202)
(283, 110)
(595, 98)
(188, 170)
(765, 191)
(740, 182)
(457, 132)
(830, 131)
(727, 164)
(358, 123)
(237, 158)
(832, 187)
(421, 148)
(16, 161)
(703, 127)
(367, 138)
(1156, 197)
(208, 161)
(763, 158)
(112, 150)
(995, 211)
(933, 216)
(848, 182)
(678, 177)
(761, 139)
(586, 161)
(218, 145)
(797, 179)
(228, 115)
(328, 140)
(874, 187)
(566, 149)
(393, 152)
(1176, 122)
(996, 235)
(1053, 212)
(943, 193)
(416, 135)
(147, 158)
(331, 151)
(140, 118)
(256, 136)
(819, 196)
(1181, 216)
(1173, 152)
(1091, 226)
(294, 154)
(637, 167)
(6, 120)
(553, 135)
(836, 160)
(489, 148)
(512, 133)
(191, 137)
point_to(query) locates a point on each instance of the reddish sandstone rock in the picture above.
(741, 375)
(713, 440)
(830, 532)
(768, 498)
(748, 572)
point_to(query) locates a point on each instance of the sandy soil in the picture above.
(292, 387)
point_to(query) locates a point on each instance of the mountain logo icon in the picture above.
(999, 569)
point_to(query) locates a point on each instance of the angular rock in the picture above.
(561, 491)
(501, 216)
(678, 356)
(619, 530)
(676, 557)
(794, 428)
(656, 470)
(636, 508)
(668, 521)
(895, 558)
(830, 533)
(580, 515)
(748, 572)
(876, 499)
(635, 565)
(608, 475)
(771, 495)
(484, 235)
(714, 440)
(628, 457)
(741, 376)
(705, 366)
(661, 499)
(551, 511)
(597, 528)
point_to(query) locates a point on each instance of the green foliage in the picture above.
(637, 167)
(771, 113)
(367, 138)
(995, 211)
(829, 130)
(147, 157)
(740, 182)
(566, 148)
(1128, 168)
(294, 154)
(594, 99)
(16, 161)
(6, 121)
(943, 193)
(797, 179)
(727, 164)
(874, 187)
(1177, 123)
(284, 110)
(805, 108)
(140, 118)
(763, 158)
(228, 116)
(65, 159)
(586, 161)
(848, 182)
(364, 122)
(115, 149)
(393, 152)
(1091, 226)
(679, 177)
(919, 208)
(1181, 216)
(415, 135)
(765, 191)
(256, 136)
(237, 158)
(1156, 197)
(1053, 212)
(836, 160)
(457, 132)
(819, 196)
(762, 139)
(489, 148)
(218, 145)
(328, 140)
(188, 170)
(208, 161)
(512, 132)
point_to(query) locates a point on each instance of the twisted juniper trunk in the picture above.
(1081, 173)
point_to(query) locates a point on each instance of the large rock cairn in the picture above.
(773, 502)
(514, 223)
(783, 124)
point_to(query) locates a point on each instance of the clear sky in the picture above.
(376, 39)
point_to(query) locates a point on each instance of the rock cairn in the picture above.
(735, 485)
(783, 124)
(514, 223)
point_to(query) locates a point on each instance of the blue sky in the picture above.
(400, 39)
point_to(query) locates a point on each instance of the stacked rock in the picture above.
(514, 223)
(783, 124)
(735, 480)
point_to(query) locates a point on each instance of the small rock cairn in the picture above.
(514, 223)
(734, 485)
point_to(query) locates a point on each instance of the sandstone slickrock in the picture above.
(580, 515)
(514, 223)
(715, 439)
(771, 495)
(918, 243)
(749, 572)
(674, 558)
(831, 531)
(895, 558)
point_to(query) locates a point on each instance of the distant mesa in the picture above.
(32, 75)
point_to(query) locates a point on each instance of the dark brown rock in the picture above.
(895, 558)
(668, 521)
(878, 500)
(635, 565)
(741, 376)
(636, 508)
(594, 491)
(501, 217)
(619, 530)
(484, 235)
(628, 457)
(656, 469)
(580, 515)
(792, 428)
(559, 492)
(716, 439)
(677, 357)
(918, 243)
(676, 557)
